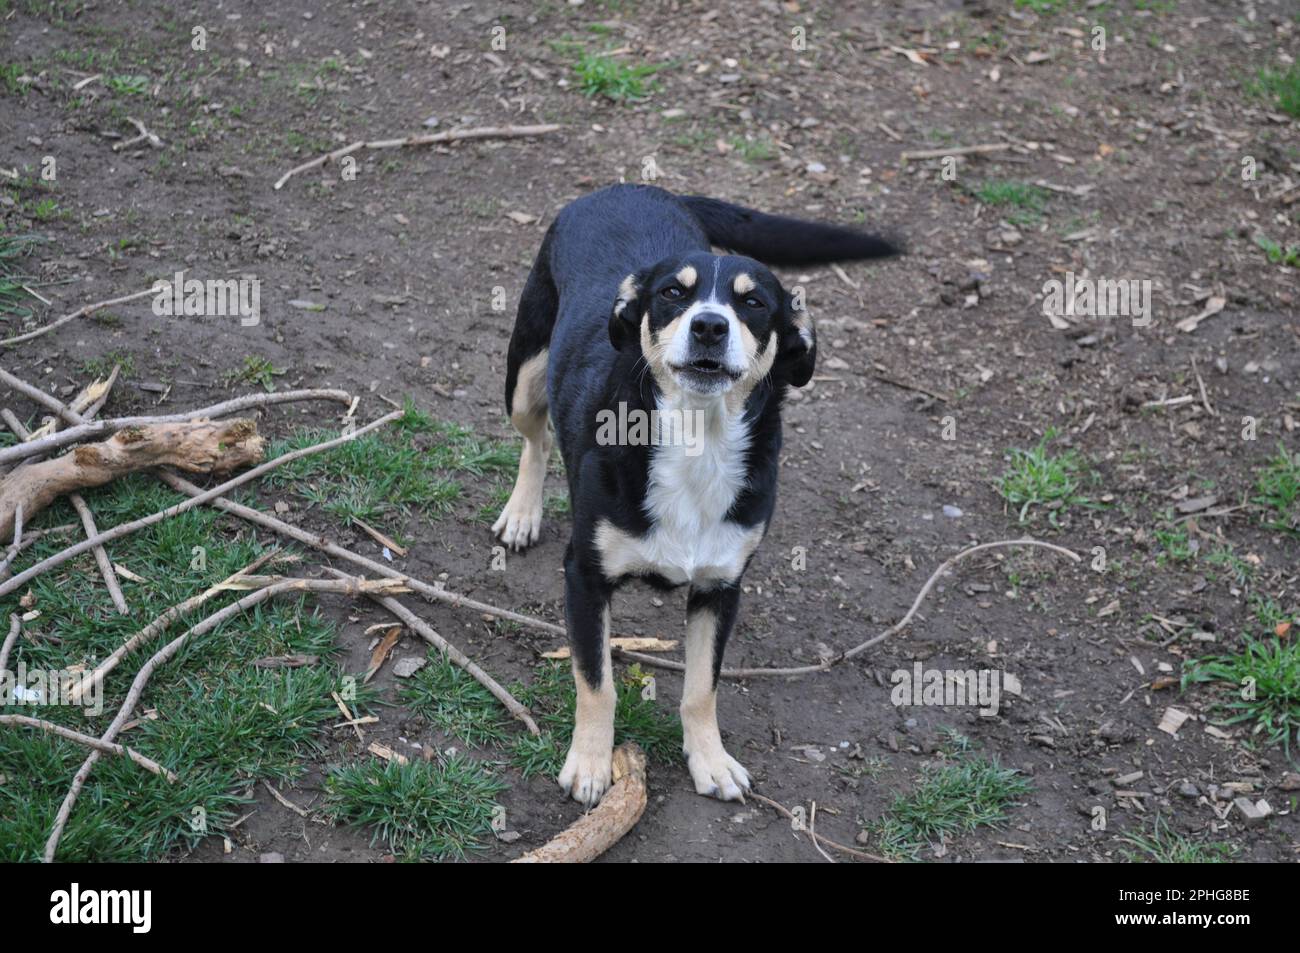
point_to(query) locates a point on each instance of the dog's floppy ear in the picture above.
(625, 319)
(796, 354)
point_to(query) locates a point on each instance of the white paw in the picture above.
(718, 774)
(587, 773)
(520, 523)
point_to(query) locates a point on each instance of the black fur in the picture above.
(596, 362)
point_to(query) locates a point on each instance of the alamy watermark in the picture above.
(1098, 298)
(42, 687)
(634, 427)
(949, 688)
(211, 298)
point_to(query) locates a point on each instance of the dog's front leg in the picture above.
(710, 615)
(588, 768)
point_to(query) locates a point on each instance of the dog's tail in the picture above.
(778, 240)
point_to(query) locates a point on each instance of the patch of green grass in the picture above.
(950, 798)
(101, 367)
(600, 74)
(413, 464)
(552, 700)
(451, 700)
(1160, 845)
(220, 722)
(1175, 544)
(1277, 489)
(1288, 256)
(13, 296)
(1282, 88)
(1041, 6)
(1238, 569)
(128, 85)
(753, 150)
(9, 73)
(1027, 200)
(1037, 477)
(422, 810)
(254, 370)
(1266, 687)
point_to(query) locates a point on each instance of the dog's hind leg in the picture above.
(520, 523)
(588, 768)
(710, 615)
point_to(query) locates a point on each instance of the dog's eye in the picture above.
(672, 291)
(752, 302)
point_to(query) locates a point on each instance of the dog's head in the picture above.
(713, 324)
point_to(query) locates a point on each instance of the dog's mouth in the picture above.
(706, 370)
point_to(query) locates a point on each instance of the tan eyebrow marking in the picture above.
(687, 276)
(743, 284)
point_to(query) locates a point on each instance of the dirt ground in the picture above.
(1141, 149)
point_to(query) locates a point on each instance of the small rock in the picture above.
(271, 858)
(952, 512)
(1253, 813)
(1188, 789)
(405, 668)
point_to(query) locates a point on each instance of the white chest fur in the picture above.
(694, 479)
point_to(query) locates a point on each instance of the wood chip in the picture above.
(1172, 720)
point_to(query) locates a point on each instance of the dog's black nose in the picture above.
(709, 329)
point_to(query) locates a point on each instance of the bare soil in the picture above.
(405, 259)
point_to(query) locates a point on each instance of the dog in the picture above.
(627, 311)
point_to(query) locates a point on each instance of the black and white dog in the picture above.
(627, 311)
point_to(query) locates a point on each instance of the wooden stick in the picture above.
(82, 508)
(15, 626)
(17, 543)
(379, 569)
(451, 135)
(604, 825)
(861, 646)
(426, 632)
(99, 428)
(90, 741)
(79, 313)
(346, 587)
(125, 529)
(787, 813)
(158, 625)
(202, 446)
(957, 151)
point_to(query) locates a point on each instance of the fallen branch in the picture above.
(15, 626)
(604, 825)
(83, 512)
(451, 135)
(203, 447)
(426, 632)
(434, 593)
(83, 430)
(90, 741)
(352, 587)
(145, 134)
(957, 151)
(79, 313)
(154, 628)
(17, 545)
(125, 529)
(861, 646)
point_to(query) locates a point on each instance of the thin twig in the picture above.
(125, 529)
(788, 814)
(98, 428)
(15, 626)
(347, 587)
(451, 135)
(956, 151)
(434, 593)
(79, 313)
(99, 744)
(425, 631)
(157, 626)
(862, 646)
